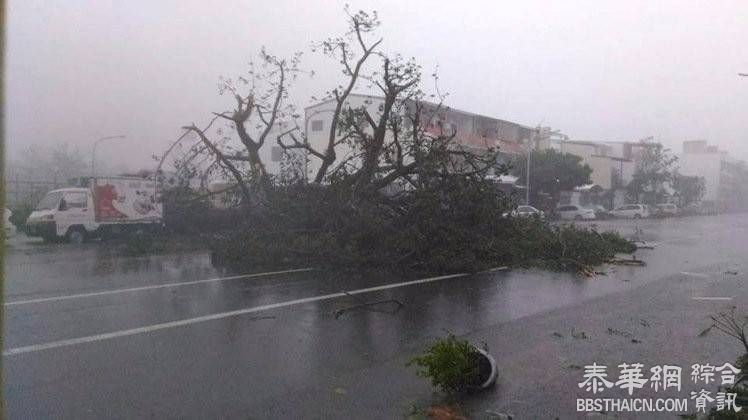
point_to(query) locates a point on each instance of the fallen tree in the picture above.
(406, 193)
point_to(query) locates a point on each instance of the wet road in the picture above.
(90, 334)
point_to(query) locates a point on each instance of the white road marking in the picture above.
(212, 317)
(491, 270)
(688, 273)
(682, 238)
(157, 286)
(711, 298)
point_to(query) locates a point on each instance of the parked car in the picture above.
(601, 212)
(667, 210)
(631, 211)
(572, 212)
(525, 211)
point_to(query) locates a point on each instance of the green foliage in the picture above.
(688, 190)
(552, 172)
(654, 171)
(565, 247)
(19, 215)
(453, 225)
(451, 364)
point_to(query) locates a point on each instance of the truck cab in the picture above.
(64, 213)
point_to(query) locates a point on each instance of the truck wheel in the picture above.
(76, 236)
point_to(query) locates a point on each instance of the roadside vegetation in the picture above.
(454, 366)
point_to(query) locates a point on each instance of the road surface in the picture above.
(91, 334)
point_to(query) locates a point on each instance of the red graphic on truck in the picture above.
(105, 196)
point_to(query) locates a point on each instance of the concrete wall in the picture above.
(602, 170)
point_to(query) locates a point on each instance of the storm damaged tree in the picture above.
(395, 186)
(352, 51)
(259, 106)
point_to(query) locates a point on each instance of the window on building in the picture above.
(276, 154)
(318, 125)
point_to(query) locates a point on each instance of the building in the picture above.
(473, 131)
(612, 164)
(726, 178)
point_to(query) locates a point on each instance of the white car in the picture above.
(631, 211)
(572, 212)
(525, 211)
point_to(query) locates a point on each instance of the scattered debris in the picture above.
(444, 413)
(644, 323)
(635, 341)
(706, 331)
(557, 334)
(340, 391)
(499, 416)
(644, 245)
(733, 273)
(258, 318)
(581, 335)
(368, 306)
(601, 273)
(574, 367)
(623, 261)
(613, 331)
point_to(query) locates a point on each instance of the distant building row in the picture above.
(613, 163)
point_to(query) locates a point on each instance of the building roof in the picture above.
(448, 108)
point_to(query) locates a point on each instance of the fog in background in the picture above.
(80, 70)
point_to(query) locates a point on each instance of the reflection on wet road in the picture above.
(173, 336)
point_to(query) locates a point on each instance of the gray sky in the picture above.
(597, 70)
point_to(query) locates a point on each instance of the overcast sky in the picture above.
(597, 70)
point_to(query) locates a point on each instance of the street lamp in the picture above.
(93, 154)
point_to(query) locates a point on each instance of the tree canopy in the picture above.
(551, 172)
(653, 176)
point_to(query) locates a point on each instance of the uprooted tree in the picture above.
(393, 184)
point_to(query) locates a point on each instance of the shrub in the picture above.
(19, 215)
(453, 365)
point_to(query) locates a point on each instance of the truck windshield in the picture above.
(49, 201)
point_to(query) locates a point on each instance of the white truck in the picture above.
(103, 207)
